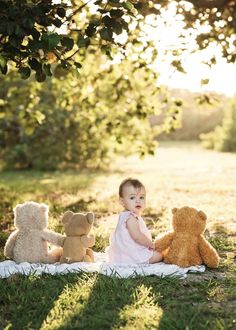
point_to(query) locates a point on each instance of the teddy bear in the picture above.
(29, 242)
(186, 246)
(77, 244)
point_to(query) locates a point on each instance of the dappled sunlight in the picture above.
(144, 312)
(69, 303)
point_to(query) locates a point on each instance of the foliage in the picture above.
(31, 32)
(196, 118)
(223, 138)
(78, 121)
(35, 34)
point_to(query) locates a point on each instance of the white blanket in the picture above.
(8, 268)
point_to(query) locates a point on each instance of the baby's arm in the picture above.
(136, 234)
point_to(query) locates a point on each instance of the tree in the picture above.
(31, 34)
(223, 138)
(79, 121)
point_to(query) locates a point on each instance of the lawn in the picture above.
(180, 174)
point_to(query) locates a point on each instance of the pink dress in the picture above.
(122, 248)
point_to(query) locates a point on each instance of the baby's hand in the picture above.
(151, 246)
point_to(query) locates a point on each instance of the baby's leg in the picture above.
(156, 257)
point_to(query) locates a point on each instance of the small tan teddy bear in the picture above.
(29, 242)
(77, 244)
(186, 246)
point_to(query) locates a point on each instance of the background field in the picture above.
(180, 174)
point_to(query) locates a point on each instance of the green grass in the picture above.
(180, 174)
(94, 301)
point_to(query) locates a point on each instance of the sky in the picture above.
(165, 34)
(222, 77)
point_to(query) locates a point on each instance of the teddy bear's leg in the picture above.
(209, 255)
(89, 256)
(54, 255)
(90, 253)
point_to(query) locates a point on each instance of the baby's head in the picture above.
(132, 195)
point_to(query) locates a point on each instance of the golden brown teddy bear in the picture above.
(29, 242)
(186, 246)
(77, 244)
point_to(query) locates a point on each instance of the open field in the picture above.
(180, 174)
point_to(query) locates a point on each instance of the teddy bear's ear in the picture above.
(16, 209)
(43, 207)
(174, 210)
(202, 215)
(67, 216)
(90, 217)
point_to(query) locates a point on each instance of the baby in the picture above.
(131, 242)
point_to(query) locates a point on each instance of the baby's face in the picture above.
(133, 199)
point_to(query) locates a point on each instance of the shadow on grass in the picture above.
(25, 301)
(94, 302)
(107, 297)
(148, 303)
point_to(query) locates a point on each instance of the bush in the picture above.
(223, 138)
(77, 121)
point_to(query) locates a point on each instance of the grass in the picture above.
(180, 174)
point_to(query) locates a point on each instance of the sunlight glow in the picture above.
(168, 33)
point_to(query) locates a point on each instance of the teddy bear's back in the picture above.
(183, 251)
(74, 248)
(29, 246)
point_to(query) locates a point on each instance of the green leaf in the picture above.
(40, 76)
(83, 42)
(117, 27)
(204, 81)
(57, 22)
(35, 64)
(108, 21)
(106, 34)
(61, 12)
(90, 30)
(67, 42)
(116, 13)
(60, 71)
(35, 45)
(28, 22)
(107, 50)
(10, 27)
(24, 72)
(47, 69)
(78, 65)
(128, 5)
(50, 41)
(3, 64)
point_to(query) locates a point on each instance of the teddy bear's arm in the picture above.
(88, 241)
(163, 242)
(9, 246)
(52, 237)
(208, 253)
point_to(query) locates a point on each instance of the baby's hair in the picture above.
(130, 182)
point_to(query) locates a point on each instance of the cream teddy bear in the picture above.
(29, 242)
